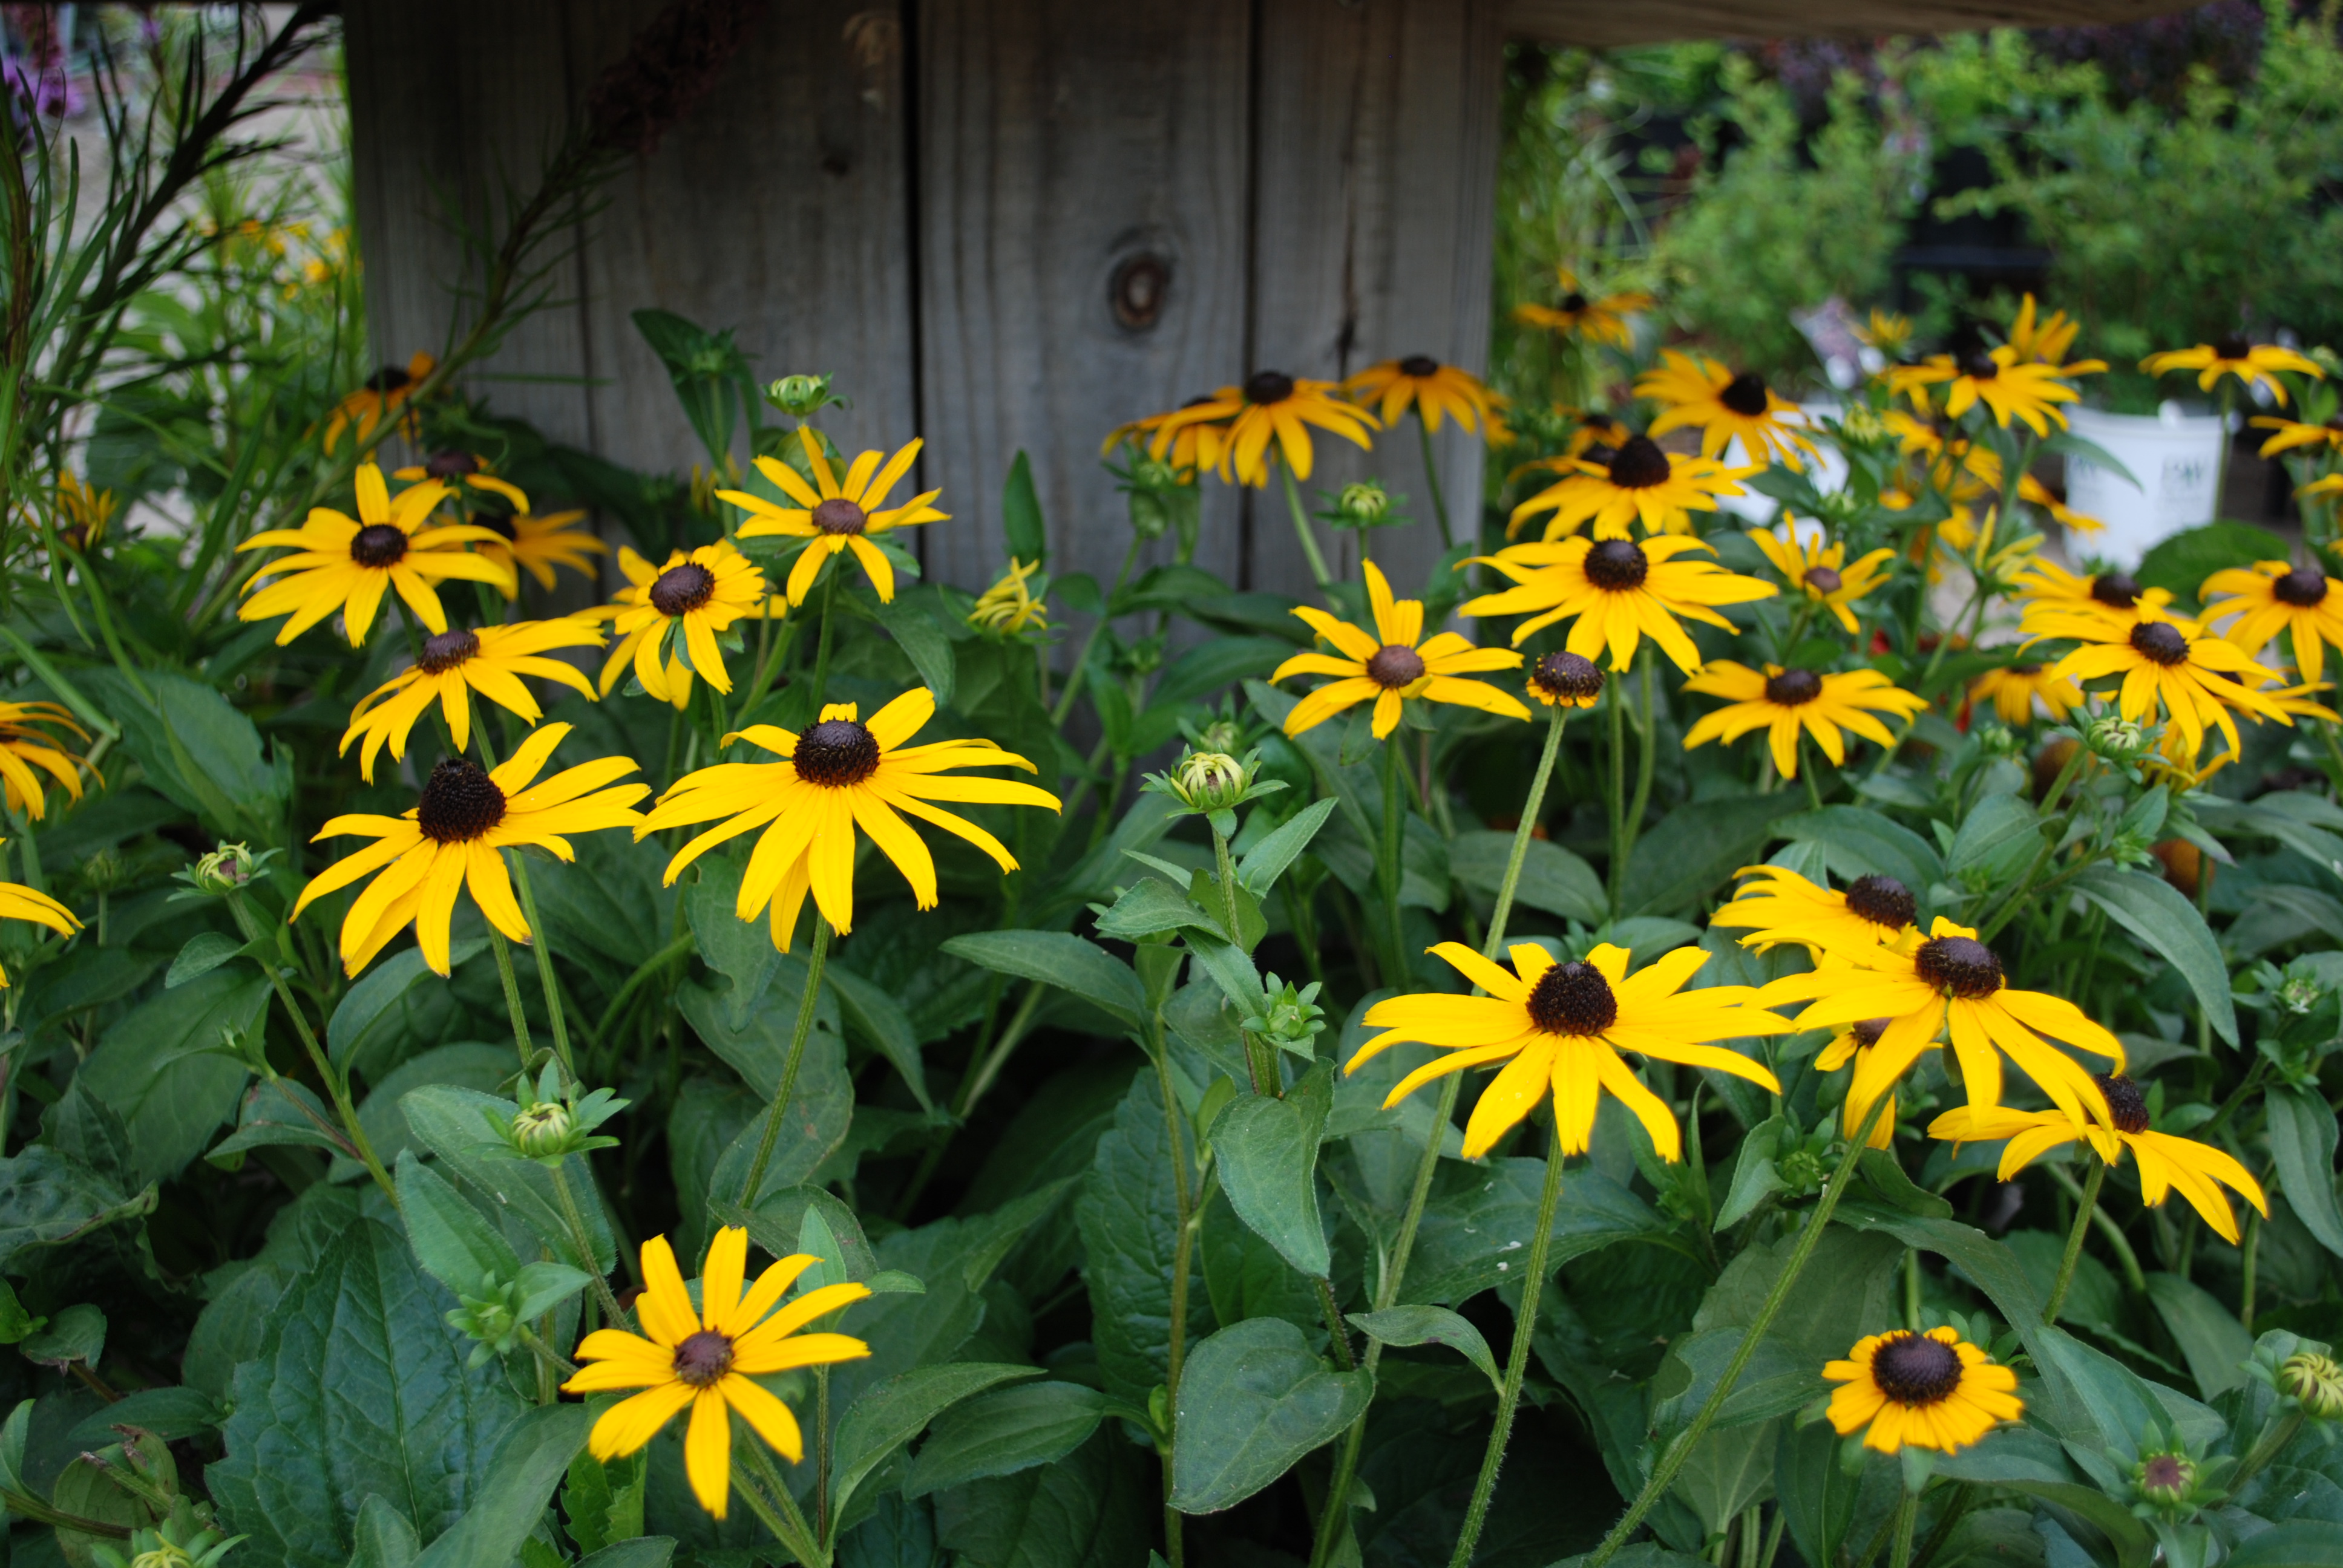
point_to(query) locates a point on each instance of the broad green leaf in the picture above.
(170, 1413)
(1725, 1473)
(156, 1069)
(1253, 1401)
(1129, 1221)
(2152, 910)
(1005, 1431)
(1553, 879)
(2024, 1460)
(741, 950)
(1996, 840)
(75, 1333)
(608, 903)
(1856, 841)
(453, 1124)
(873, 1015)
(451, 1239)
(1267, 861)
(1696, 848)
(2301, 1543)
(602, 1503)
(1150, 908)
(1057, 958)
(380, 989)
(16, 1322)
(464, 1064)
(1022, 531)
(1096, 1508)
(1221, 661)
(1817, 1495)
(1429, 1326)
(1244, 1276)
(1886, 1177)
(821, 1104)
(88, 1489)
(891, 1414)
(278, 1113)
(48, 1199)
(1477, 1226)
(643, 1552)
(200, 751)
(2302, 1146)
(913, 624)
(1266, 1151)
(2208, 1334)
(382, 1537)
(511, 1494)
(203, 952)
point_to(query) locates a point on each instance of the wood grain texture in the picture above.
(1607, 26)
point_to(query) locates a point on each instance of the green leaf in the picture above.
(453, 1124)
(1817, 1494)
(1553, 879)
(891, 1414)
(2302, 1146)
(451, 1239)
(1267, 861)
(1477, 1226)
(1006, 1431)
(601, 1503)
(1148, 907)
(360, 1388)
(384, 1539)
(204, 952)
(2181, 562)
(2214, 1343)
(380, 989)
(1267, 1152)
(913, 624)
(200, 751)
(48, 1199)
(741, 950)
(1022, 531)
(2024, 1460)
(1996, 840)
(170, 1413)
(1129, 1219)
(1253, 1401)
(2169, 925)
(513, 1491)
(1097, 1506)
(873, 1015)
(75, 1333)
(644, 1551)
(1057, 958)
(16, 1322)
(1421, 1325)
(1856, 841)
(1211, 666)
(87, 1488)
(1887, 1177)
(278, 1113)
(1696, 848)
(156, 1069)
(2301, 1544)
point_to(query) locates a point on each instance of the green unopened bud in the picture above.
(1210, 780)
(2116, 738)
(163, 1556)
(542, 1129)
(2314, 1382)
(800, 396)
(1801, 1169)
(1364, 503)
(1219, 735)
(2167, 1481)
(1289, 1020)
(225, 870)
(105, 870)
(2300, 995)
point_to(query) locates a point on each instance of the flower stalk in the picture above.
(787, 1086)
(2087, 1206)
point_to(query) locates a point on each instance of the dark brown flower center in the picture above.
(1867, 1032)
(2232, 345)
(1573, 303)
(2160, 640)
(2166, 1473)
(1615, 566)
(835, 753)
(1419, 365)
(1599, 452)
(460, 802)
(1979, 365)
(1568, 677)
(839, 516)
(683, 587)
(1268, 386)
(1793, 687)
(2117, 590)
(378, 544)
(1825, 579)
(1881, 901)
(1961, 965)
(445, 651)
(1395, 665)
(497, 524)
(703, 1358)
(389, 378)
(2125, 1104)
(450, 464)
(1573, 999)
(1915, 1370)
(2301, 588)
(1640, 464)
(2025, 671)
(1745, 395)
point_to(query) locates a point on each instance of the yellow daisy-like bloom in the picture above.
(1853, 1043)
(1819, 570)
(1949, 982)
(384, 393)
(1620, 592)
(1885, 331)
(841, 515)
(2008, 387)
(1776, 906)
(2014, 690)
(1008, 607)
(1191, 447)
(1784, 702)
(1920, 1391)
(451, 841)
(2299, 700)
(25, 743)
(461, 471)
(538, 545)
(2045, 339)
(2051, 596)
(456, 664)
(1423, 383)
(85, 512)
(1637, 482)
(19, 902)
(2292, 435)
(344, 563)
(2196, 679)
(1559, 1029)
(838, 775)
(2235, 355)
(2165, 1162)
(668, 621)
(709, 1359)
(1721, 405)
(1389, 667)
(2279, 596)
(1602, 319)
(1271, 405)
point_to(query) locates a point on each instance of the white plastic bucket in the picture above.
(1829, 471)
(2174, 457)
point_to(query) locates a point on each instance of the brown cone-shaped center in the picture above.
(2117, 590)
(2125, 1101)
(1867, 1032)
(378, 544)
(835, 753)
(450, 464)
(1615, 566)
(839, 516)
(703, 1358)
(1568, 677)
(2160, 640)
(1573, 999)
(1744, 395)
(2232, 345)
(1961, 965)
(460, 802)
(1599, 452)
(1825, 579)
(1881, 901)
(1395, 665)
(445, 651)
(1419, 365)
(683, 587)
(1573, 303)
(2301, 588)
(1640, 464)
(389, 378)
(1268, 386)
(1793, 687)
(1979, 365)
(1915, 1370)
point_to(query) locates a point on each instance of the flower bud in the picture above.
(1221, 735)
(2314, 1382)
(800, 396)
(2300, 995)
(1289, 1019)
(2116, 738)
(1210, 780)
(542, 1130)
(1362, 505)
(225, 870)
(2167, 1481)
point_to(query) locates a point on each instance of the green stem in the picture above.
(1476, 1512)
(789, 1083)
(780, 1513)
(1964, 1494)
(1183, 1251)
(2221, 467)
(1618, 867)
(522, 1042)
(2272, 1444)
(2111, 1233)
(1432, 478)
(1301, 530)
(1907, 1513)
(821, 642)
(2252, 1251)
(542, 948)
(635, 981)
(1394, 866)
(1338, 1334)
(583, 1239)
(548, 1357)
(1646, 756)
(2085, 1207)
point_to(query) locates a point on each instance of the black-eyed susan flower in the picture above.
(1008, 607)
(2042, 339)
(540, 544)
(2274, 597)
(1191, 446)
(1597, 318)
(1776, 906)
(1637, 483)
(1435, 391)
(2016, 691)
(2166, 1163)
(2235, 355)
(1903, 1390)
(1820, 571)
(2049, 597)
(1620, 592)
(2295, 435)
(836, 513)
(1393, 665)
(29, 739)
(19, 902)
(458, 663)
(1708, 396)
(1853, 1043)
(2010, 388)
(452, 840)
(1886, 331)
(384, 393)
(667, 621)
(707, 1359)
(1270, 406)
(1951, 984)
(1785, 703)
(344, 563)
(1565, 681)
(839, 777)
(82, 512)
(2196, 678)
(463, 471)
(1559, 1029)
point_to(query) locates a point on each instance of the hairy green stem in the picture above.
(1302, 531)
(1907, 1513)
(1394, 866)
(1431, 478)
(522, 1042)
(1964, 1494)
(1618, 867)
(2088, 1205)
(2134, 1275)
(1646, 756)
(779, 1108)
